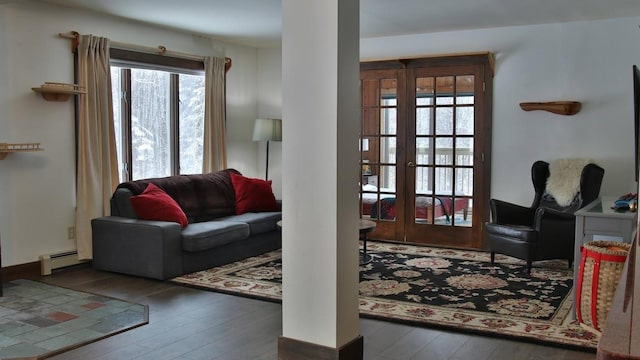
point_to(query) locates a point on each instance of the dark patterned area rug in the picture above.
(39, 320)
(429, 286)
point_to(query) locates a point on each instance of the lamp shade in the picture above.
(267, 129)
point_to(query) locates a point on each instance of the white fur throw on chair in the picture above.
(564, 179)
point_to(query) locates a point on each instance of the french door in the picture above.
(425, 149)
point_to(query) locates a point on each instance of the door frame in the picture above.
(484, 63)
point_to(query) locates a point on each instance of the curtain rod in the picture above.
(160, 50)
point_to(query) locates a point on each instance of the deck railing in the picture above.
(444, 176)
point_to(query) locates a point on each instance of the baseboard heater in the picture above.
(51, 262)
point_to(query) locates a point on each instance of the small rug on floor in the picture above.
(39, 320)
(437, 287)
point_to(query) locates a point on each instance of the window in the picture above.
(158, 106)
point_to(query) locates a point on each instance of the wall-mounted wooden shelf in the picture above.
(51, 91)
(556, 107)
(6, 149)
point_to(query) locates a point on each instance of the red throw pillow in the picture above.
(253, 195)
(155, 204)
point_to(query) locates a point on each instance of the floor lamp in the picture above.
(267, 130)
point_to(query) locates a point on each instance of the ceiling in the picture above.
(258, 22)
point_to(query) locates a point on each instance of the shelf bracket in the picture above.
(6, 149)
(556, 107)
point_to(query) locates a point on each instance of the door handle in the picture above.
(411, 164)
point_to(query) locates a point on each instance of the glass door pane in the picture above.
(443, 150)
(378, 148)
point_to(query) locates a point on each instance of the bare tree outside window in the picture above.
(155, 144)
(191, 123)
(150, 124)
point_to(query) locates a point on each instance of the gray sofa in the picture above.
(162, 250)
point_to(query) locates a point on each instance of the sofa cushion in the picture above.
(155, 204)
(517, 232)
(258, 222)
(253, 195)
(209, 234)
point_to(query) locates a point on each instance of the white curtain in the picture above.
(214, 148)
(97, 172)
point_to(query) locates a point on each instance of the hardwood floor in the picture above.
(190, 324)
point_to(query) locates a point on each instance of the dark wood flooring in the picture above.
(191, 324)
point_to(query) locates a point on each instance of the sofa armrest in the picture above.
(137, 247)
(551, 221)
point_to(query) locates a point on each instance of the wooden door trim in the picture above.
(483, 65)
(451, 235)
(486, 58)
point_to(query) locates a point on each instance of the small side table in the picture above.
(366, 226)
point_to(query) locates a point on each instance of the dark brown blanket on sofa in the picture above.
(202, 197)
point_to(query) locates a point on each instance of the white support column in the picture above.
(320, 121)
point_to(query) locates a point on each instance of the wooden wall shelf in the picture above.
(51, 91)
(556, 107)
(6, 149)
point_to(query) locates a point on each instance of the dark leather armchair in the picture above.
(545, 230)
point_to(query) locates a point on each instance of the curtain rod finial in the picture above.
(75, 39)
(227, 64)
(70, 35)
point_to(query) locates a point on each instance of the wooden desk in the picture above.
(597, 218)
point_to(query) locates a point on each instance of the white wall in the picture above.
(254, 90)
(4, 125)
(589, 62)
(270, 106)
(37, 190)
(242, 97)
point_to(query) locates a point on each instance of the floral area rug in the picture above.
(437, 287)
